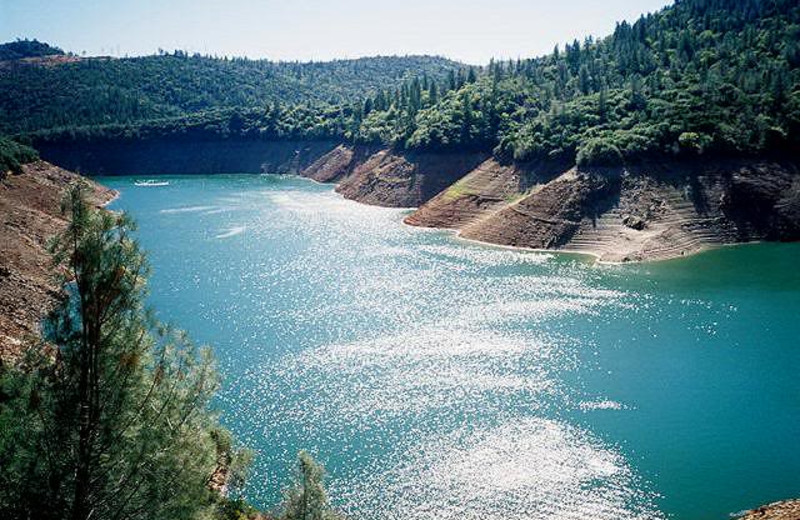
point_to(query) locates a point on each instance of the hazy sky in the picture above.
(471, 31)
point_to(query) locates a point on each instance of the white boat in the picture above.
(151, 183)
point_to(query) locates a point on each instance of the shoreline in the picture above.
(636, 214)
(788, 509)
(115, 196)
(595, 256)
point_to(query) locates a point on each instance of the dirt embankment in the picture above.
(649, 211)
(784, 510)
(646, 212)
(390, 178)
(29, 217)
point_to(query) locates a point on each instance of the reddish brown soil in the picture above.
(786, 510)
(391, 178)
(646, 212)
(30, 216)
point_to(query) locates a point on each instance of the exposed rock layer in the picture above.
(648, 211)
(29, 216)
(645, 212)
(785, 510)
(389, 178)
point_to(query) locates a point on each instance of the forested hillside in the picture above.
(699, 76)
(98, 91)
(702, 75)
(27, 49)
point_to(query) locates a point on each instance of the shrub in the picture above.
(13, 155)
(693, 142)
(598, 152)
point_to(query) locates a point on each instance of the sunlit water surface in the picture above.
(440, 379)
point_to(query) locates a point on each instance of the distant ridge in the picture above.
(27, 49)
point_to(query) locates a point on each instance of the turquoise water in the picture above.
(442, 379)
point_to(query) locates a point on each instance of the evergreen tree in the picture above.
(584, 80)
(433, 94)
(13, 155)
(307, 499)
(114, 423)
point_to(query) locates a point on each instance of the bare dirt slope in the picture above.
(646, 212)
(29, 217)
(785, 510)
(483, 191)
(403, 180)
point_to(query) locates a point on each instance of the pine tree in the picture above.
(584, 80)
(433, 94)
(115, 423)
(451, 80)
(307, 499)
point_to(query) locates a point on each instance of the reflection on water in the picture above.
(442, 379)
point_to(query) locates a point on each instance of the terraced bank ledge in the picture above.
(649, 211)
(783, 510)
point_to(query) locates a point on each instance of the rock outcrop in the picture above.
(29, 217)
(404, 179)
(648, 211)
(486, 189)
(338, 163)
(784, 510)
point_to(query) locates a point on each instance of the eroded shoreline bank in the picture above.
(30, 204)
(652, 210)
(646, 212)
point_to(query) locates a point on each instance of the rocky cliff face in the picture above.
(338, 163)
(481, 192)
(645, 212)
(404, 179)
(29, 217)
(648, 211)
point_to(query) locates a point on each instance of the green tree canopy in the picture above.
(113, 421)
(307, 499)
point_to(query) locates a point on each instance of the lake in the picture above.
(439, 379)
